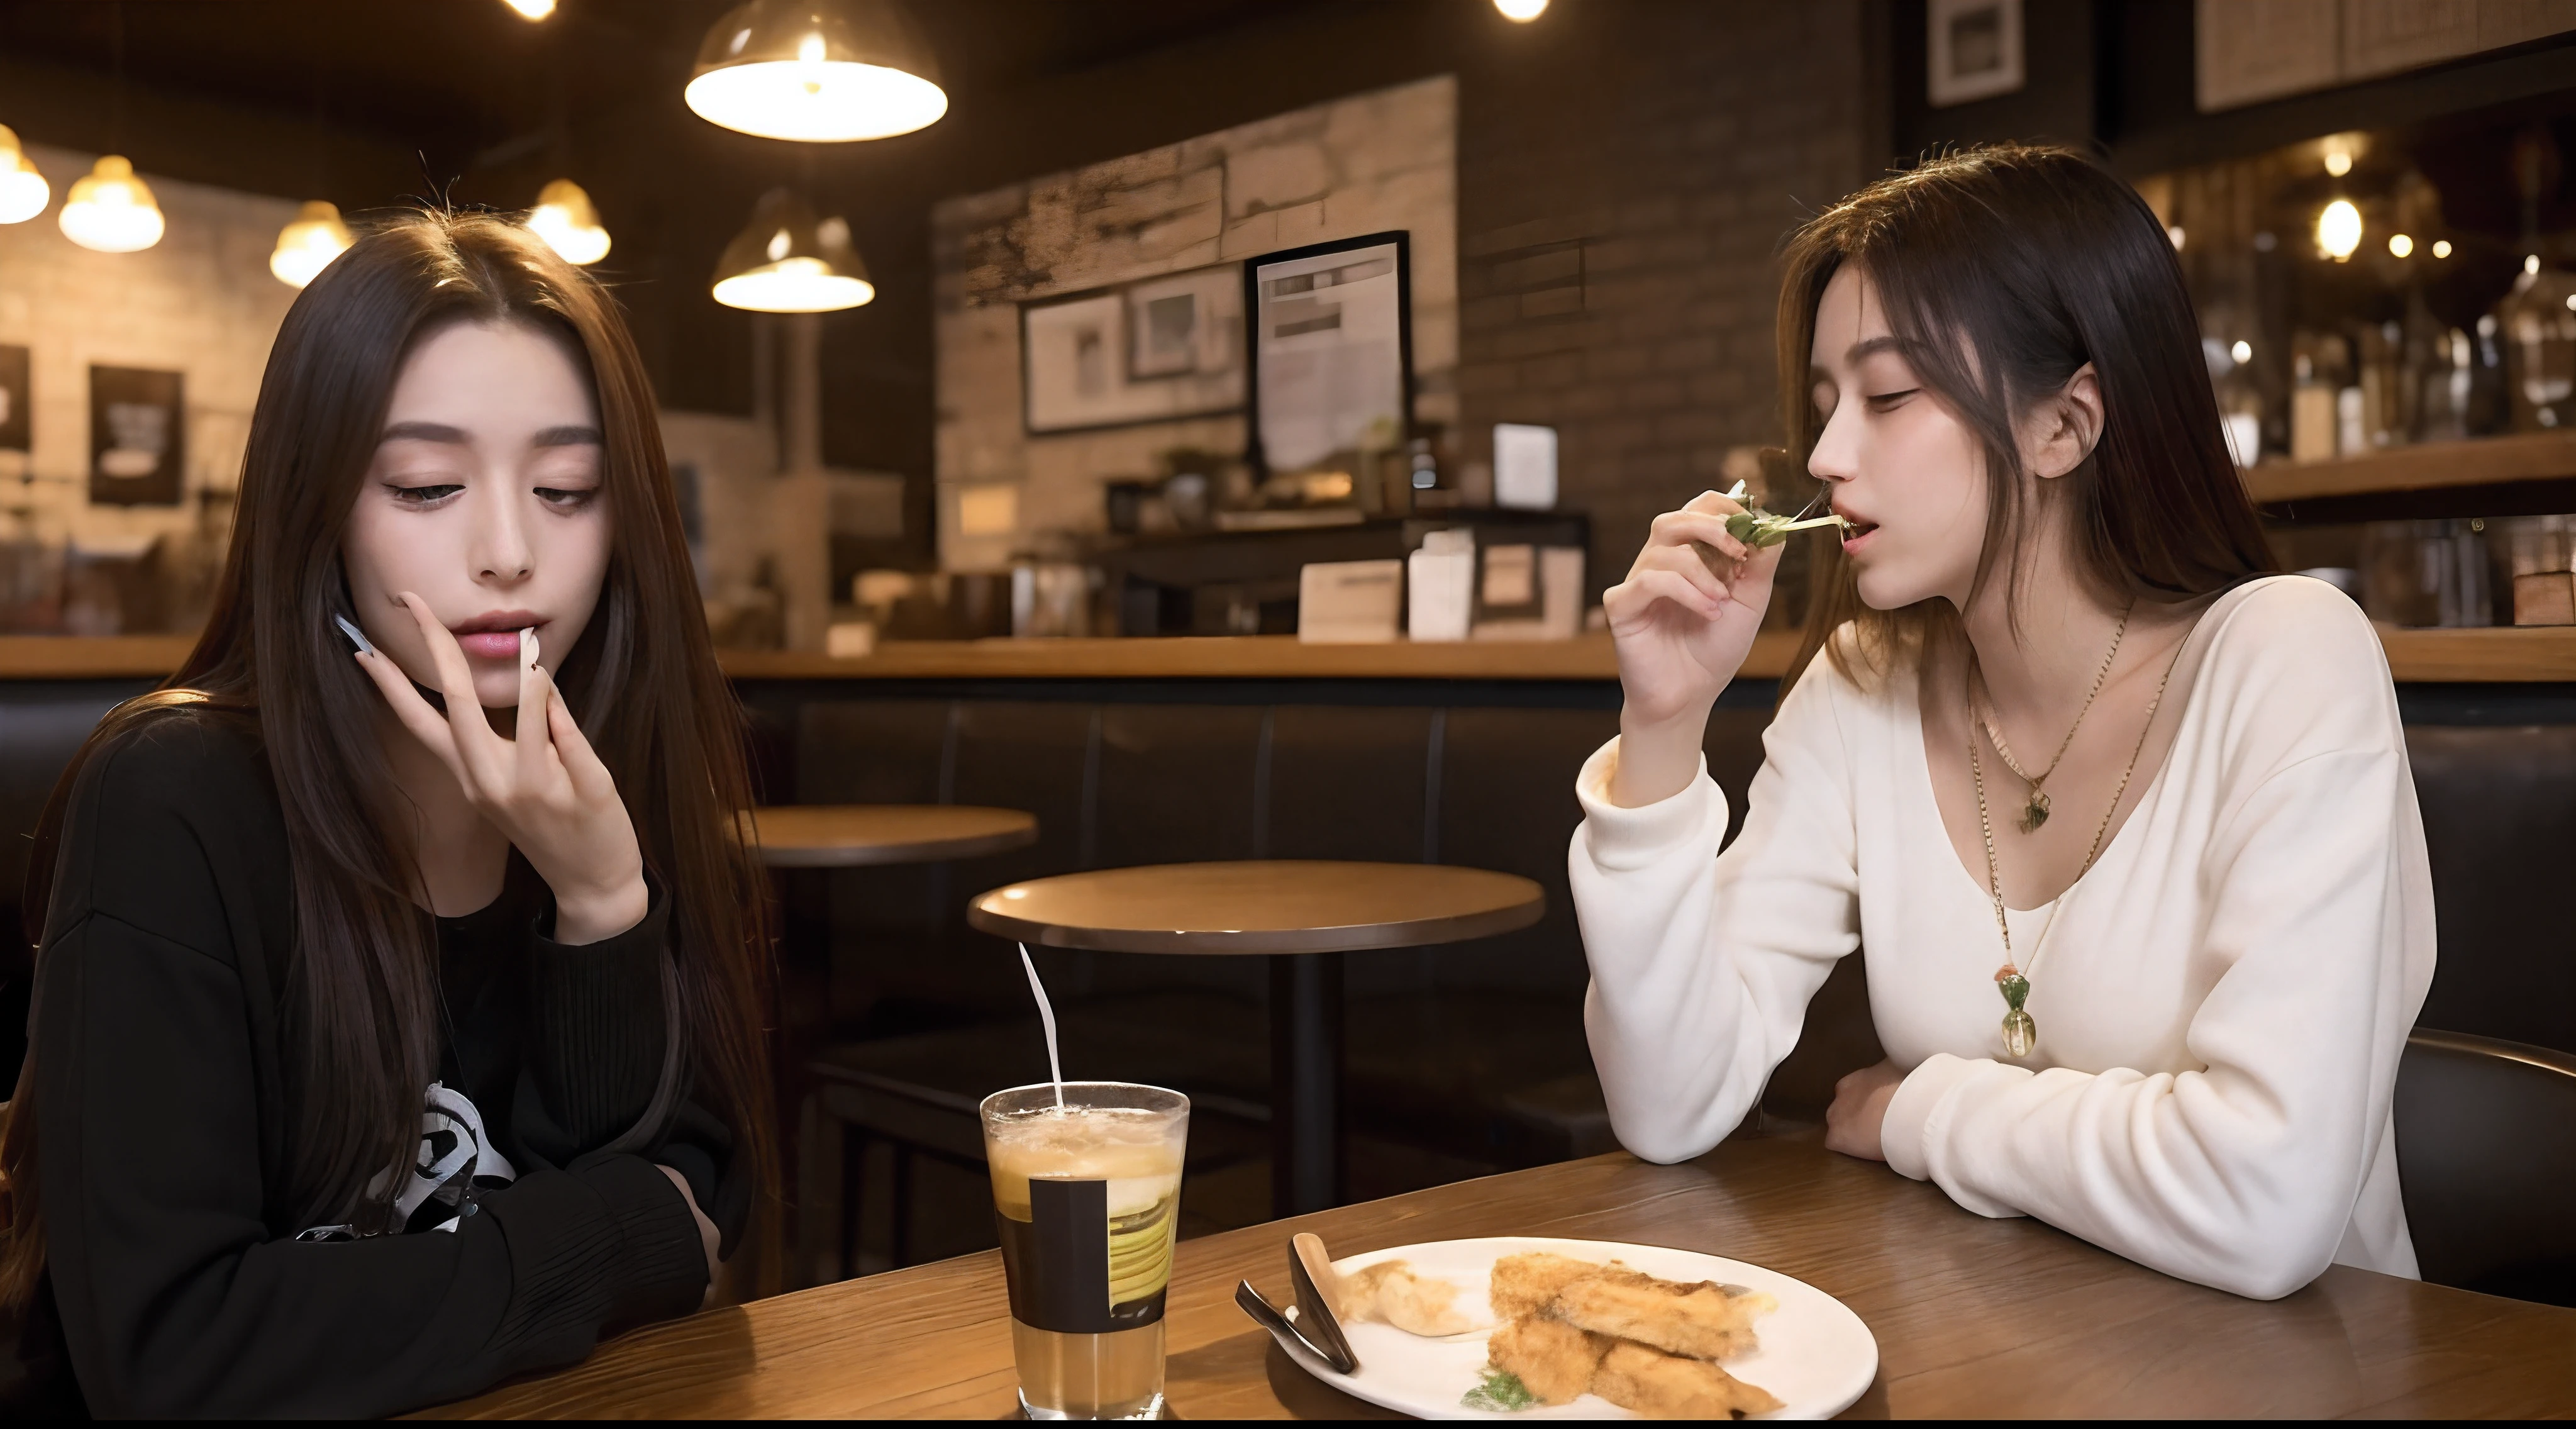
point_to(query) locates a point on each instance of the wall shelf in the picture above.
(2431, 466)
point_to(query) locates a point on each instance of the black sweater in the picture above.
(173, 1269)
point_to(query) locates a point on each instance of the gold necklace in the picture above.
(2021, 1034)
(2035, 813)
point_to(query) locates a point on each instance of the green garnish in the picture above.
(1501, 1393)
(1758, 528)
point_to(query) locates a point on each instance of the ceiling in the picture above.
(469, 84)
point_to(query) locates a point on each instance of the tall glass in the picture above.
(1087, 1195)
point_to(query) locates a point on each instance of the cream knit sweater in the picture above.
(2220, 1008)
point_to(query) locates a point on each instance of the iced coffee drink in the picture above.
(1087, 1198)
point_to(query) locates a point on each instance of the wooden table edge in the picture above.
(1346, 938)
(929, 851)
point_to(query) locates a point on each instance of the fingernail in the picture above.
(528, 646)
(356, 636)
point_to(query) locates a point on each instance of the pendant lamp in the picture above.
(23, 191)
(568, 223)
(824, 71)
(787, 262)
(111, 210)
(306, 246)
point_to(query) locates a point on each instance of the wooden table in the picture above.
(1302, 915)
(857, 835)
(1974, 1317)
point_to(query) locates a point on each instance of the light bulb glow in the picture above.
(306, 246)
(2339, 230)
(1521, 12)
(110, 210)
(2338, 163)
(2243, 352)
(2174, 235)
(2531, 263)
(818, 101)
(2399, 245)
(568, 223)
(23, 192)
(2441, 248)
(794, 285)
(531, 9)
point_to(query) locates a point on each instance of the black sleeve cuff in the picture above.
(593, 1251)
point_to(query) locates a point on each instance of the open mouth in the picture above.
(1857, 529)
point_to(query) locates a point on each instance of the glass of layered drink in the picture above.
(1086, 1194)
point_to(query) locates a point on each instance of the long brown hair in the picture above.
(357, 1001)
(2002, 271)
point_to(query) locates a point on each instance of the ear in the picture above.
(2062, 427)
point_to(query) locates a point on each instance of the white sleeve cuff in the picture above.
(1921, 1101)
(1622, 839)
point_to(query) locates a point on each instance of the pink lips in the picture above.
(495, 635)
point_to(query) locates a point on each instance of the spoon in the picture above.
(1285, 1330)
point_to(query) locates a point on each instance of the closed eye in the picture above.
(424, 496)
(1890, 401)
(566, 498)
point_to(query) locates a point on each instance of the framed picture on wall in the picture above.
(138, 436)
(1146, 351)
(1332, 354)
(17, 428)
(1974, 50)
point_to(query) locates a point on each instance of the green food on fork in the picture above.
(1758, 528)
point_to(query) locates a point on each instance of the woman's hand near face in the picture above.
(546, 790)
(1682, 625)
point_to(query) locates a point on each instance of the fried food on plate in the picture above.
(1553, 1360)
(1524, 1284)
(1662, 1386)
(1390, 1291)
(1704, 1320)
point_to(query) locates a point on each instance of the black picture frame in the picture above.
(1258, 338)
(17, 401)
(135, 414)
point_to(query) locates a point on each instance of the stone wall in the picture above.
(1367, 164)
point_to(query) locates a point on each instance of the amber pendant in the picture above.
(2021, 1035)
(2034, 813)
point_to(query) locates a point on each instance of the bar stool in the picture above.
(795, 838)
(1303, 916)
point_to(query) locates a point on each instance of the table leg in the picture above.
(1305, 1083)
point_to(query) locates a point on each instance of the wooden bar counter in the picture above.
(1974, 1317)
(2506, 654)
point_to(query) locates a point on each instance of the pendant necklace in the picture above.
(2035, 813)
(2021, 1034)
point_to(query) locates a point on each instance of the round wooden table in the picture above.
(855, 835)
(1301, 915)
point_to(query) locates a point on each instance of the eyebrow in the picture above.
(573, 436)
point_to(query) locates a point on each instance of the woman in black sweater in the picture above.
(395, 1027)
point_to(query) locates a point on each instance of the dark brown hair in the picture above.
(357, 1001)
(2002, 271)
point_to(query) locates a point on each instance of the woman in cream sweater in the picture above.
(2124, 822)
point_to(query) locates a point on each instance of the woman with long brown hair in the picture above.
(2123, 820)
(396, 1021)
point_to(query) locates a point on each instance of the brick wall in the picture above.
(201, 302)
(1366, 164)
(1620, 205)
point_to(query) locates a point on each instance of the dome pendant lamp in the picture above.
(787, 262)
(111, 210)
(306, 246)
(823, 71)
(23, 192)
(565, 218)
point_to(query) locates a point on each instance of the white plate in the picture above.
(1816, 1355)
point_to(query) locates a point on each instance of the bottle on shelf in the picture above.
(2538, 323)
(2312, 413)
